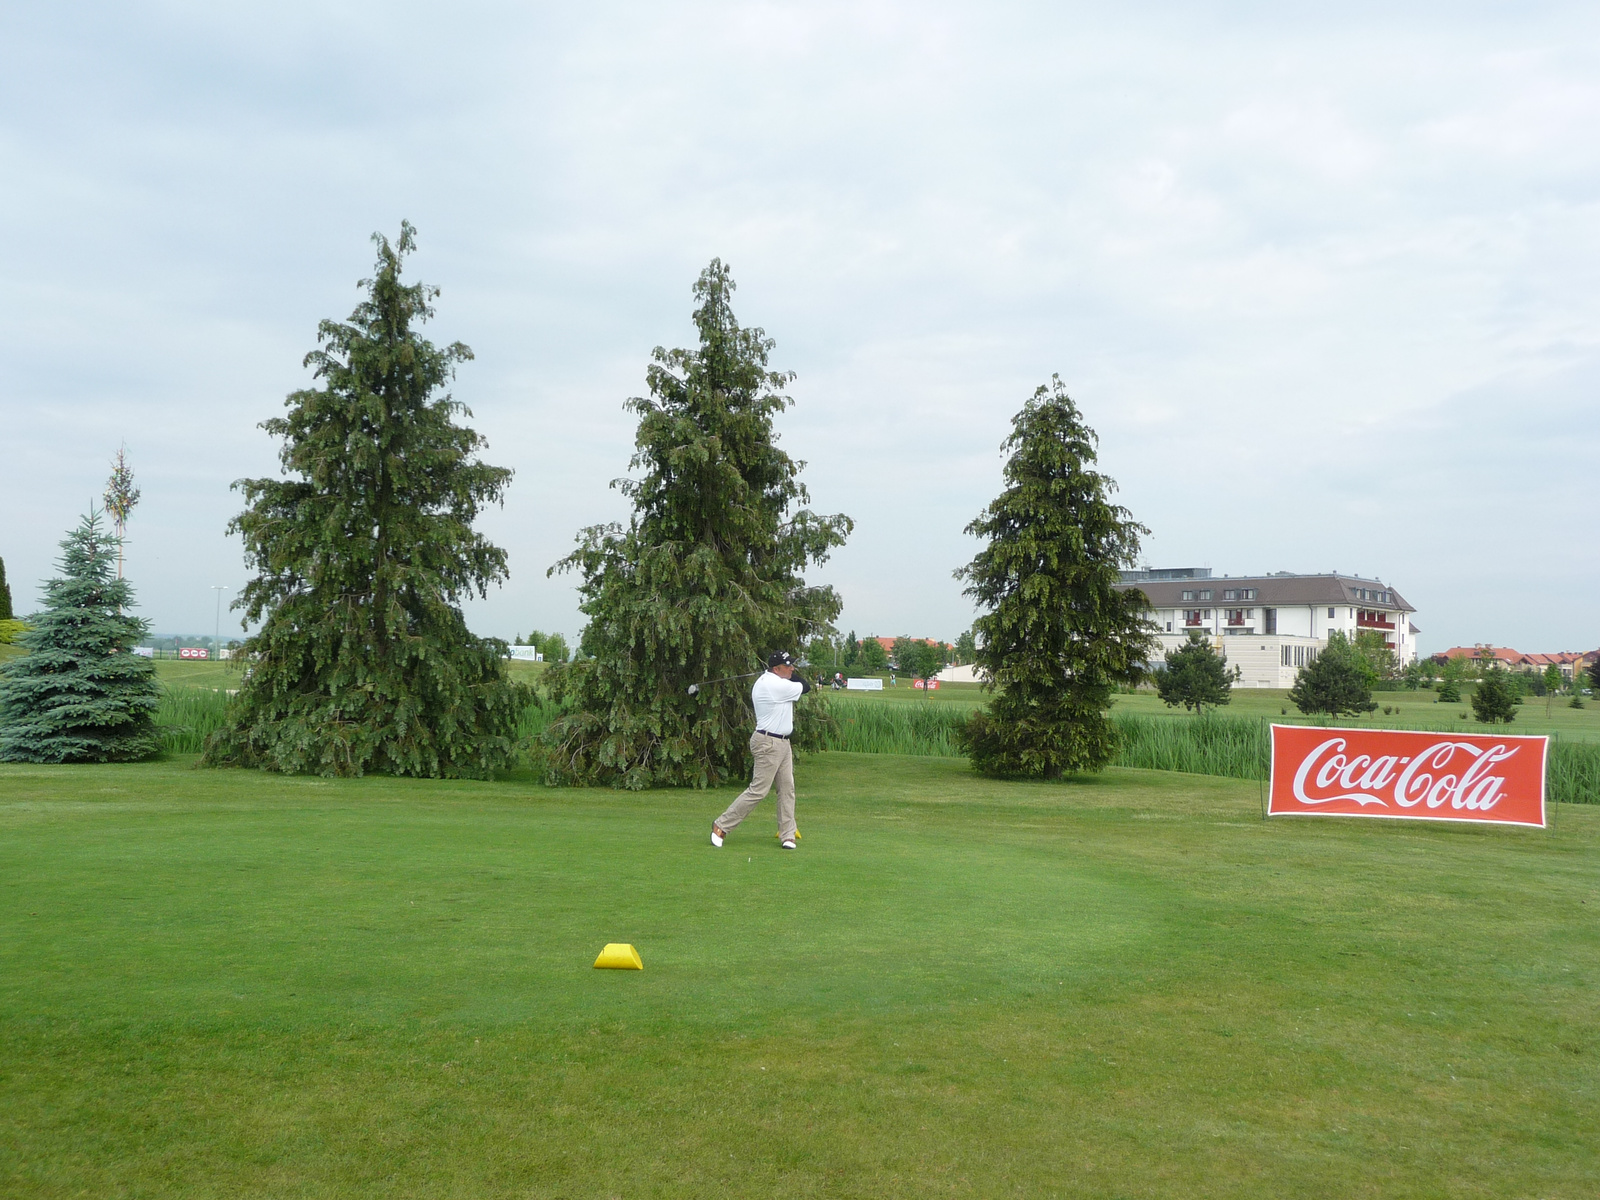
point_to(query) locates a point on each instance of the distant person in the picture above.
(774, 695)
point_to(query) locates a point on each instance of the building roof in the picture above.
(1277, 590)
(888, 643)
(1504, 655)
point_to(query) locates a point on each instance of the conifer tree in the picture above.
(704, 582)
(1338, 681)
(363, 556)
(7, 613)
(1058, 635)
(1495, 698)
(80, 694)
(1195, 675)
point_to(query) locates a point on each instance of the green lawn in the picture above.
(227, 983)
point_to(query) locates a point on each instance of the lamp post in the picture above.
(216, 636)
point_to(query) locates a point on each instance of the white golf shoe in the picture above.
(787, 843)
(716, 837)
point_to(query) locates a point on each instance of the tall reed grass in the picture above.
(187, 716)
(1213, 744)
(878, 727)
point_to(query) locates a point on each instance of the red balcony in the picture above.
(1373, 620)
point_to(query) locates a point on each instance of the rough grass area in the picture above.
(1236, 747)
(231, 983)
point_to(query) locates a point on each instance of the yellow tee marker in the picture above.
(620, 955)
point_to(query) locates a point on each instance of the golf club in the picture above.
(694, 688)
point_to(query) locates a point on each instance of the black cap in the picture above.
(781, 659)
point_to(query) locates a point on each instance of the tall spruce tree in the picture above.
(80, 694)
(363, 661)
(706, 579)
(1058, 635)
(7, 613)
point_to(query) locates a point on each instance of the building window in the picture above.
(1191, 616)
(1239, 594)
(1205, 593)
(1235, 616)
(1269, 618)
(1187, 596)
(1330, 614)
(1169, 626)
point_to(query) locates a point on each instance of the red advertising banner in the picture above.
(193, 652)
(1400, 773)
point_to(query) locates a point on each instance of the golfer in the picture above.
(774, 695)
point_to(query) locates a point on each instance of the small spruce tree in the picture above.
(1495, 698)
(1195, 675)
(1339, 681)
(706, 580)
(80, 694)
(852, 650)
(363, 661)
(1059, 635)
(1450, 681)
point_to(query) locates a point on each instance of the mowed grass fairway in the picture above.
(235, 984)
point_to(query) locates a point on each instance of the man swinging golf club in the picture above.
(774, 695)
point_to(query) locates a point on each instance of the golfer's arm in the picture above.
(805, 684)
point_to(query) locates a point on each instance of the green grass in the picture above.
(230, 983)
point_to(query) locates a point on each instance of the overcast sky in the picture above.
(1325, 279)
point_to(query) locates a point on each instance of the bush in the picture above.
(9, 630)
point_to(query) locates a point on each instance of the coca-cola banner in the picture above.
(1398, 773)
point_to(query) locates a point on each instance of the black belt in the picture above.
(780, 736)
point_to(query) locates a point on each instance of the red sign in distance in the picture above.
(193, 652)
(1400, 773)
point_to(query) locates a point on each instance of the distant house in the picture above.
(1269, 626)
(1502, 656)
(888, 642)
(1568, 662)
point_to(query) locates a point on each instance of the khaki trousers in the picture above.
(774, 765)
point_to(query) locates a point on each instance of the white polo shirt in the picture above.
(774, 699)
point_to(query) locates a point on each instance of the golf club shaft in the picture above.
(695, 687)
